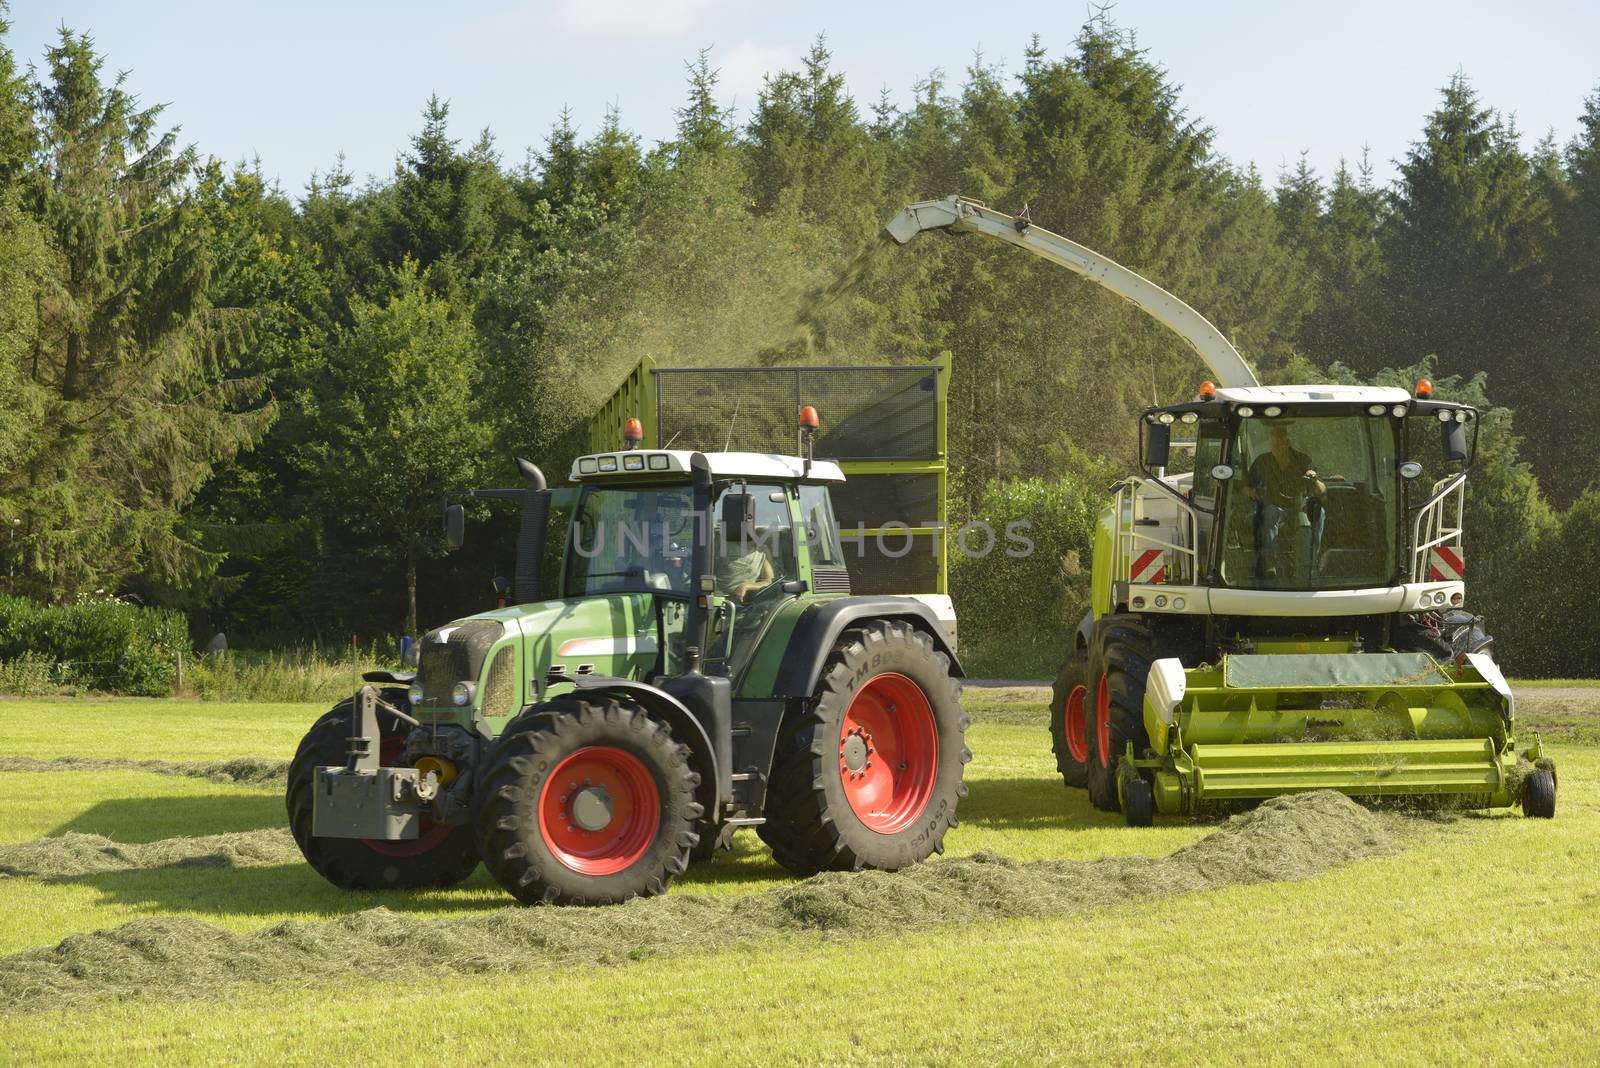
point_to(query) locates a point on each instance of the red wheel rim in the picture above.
(888, 753)
(1076, 724)
(429, 833)
(1102, 723)
(634, 807)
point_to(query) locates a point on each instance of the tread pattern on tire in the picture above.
(1123, 650)
(807, 830)
(349, 863)
(506, 817)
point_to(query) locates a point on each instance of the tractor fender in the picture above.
(683, 722)
(1085, 630)
(821, 624)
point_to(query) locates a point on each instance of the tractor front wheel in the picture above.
(441, 855)
(1119, 664)
(1069, 719)
(586, 800)
(870, 775)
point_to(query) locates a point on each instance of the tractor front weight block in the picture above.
(379, 803)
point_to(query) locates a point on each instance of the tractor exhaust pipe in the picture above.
(531, 535)
(703, 579)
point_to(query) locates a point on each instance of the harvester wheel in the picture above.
(869, 775)
(1138, 801)
(1069, 718)
(1539, 794)
(1119, 663)
(586, 800)
(441, 855)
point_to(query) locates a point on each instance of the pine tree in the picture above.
(133, 352)
(705, 127)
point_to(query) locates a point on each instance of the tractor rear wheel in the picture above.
(1119, 663)
(586, 801)
(870, 774)
(1069, 719)
(441, 855)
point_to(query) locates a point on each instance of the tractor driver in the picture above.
(1280, 481)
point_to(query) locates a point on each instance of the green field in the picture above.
(1473, 942)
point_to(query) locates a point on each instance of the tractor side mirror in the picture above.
(738, 511)
(1455, 440)
(1157, 444)
(455, 525)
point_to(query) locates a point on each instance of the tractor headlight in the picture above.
(461, 694)
(1245, 411)
(1178, 603)
(1166, 417)
(1272, 411)
(1398, 411)
(1376, 409)
(1191, 417)
(414, 695)
(1456, 599)
(1444, 415)
(1462, 416)
(1161, 600)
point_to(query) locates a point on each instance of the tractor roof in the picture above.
(1313, 395)
(673, 465)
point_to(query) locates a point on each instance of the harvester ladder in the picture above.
(1439, 522)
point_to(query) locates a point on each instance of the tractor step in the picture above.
(1431, 766)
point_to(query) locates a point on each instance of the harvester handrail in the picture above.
(1129, 535)
(1437, 532)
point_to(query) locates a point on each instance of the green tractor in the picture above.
(1277, 599)
(702, 667)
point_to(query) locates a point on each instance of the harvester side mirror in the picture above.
(1157, 444)
(455, 525)
(1455, 441)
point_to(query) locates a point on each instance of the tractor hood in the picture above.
(486, 667)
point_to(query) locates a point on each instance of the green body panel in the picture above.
(622, 632)
(1100, 581)
(1369, 724)
(760, 674)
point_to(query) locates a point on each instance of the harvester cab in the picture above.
(701, 666)
(1277, 598)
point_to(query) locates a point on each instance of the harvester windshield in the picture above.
(1311, 503)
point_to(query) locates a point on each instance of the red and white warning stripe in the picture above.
(1446, 564)
(1149, 566)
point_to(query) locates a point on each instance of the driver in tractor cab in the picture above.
(1280, 481)
(739, 574)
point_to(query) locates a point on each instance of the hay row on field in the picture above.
(70, 855)
(1284, 839)
(244, 771)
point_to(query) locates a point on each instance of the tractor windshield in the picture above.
(1311, 503)
(631, 540)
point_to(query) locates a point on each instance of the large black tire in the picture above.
(1119, 663)
(528, 826)
(885, 692)
(1069, 704)
(441, 856)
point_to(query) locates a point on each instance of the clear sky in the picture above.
(296, 82)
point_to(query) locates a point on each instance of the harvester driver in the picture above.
(1288, 496)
